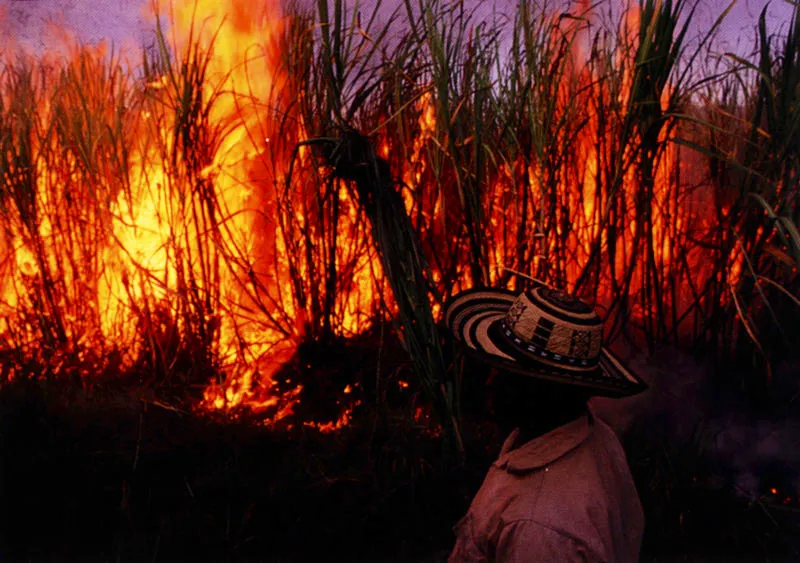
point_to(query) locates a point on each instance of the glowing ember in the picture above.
(344, 420)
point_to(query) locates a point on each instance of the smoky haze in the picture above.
(25, 22)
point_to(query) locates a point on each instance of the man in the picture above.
(561, 489)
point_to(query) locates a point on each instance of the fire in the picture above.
(184, 246)
(246, 66)
(344, 420)
(157, 222)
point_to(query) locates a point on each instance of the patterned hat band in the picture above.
(556, 328)
(543, 354)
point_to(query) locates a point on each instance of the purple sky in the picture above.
(739, 27)
(118, 20)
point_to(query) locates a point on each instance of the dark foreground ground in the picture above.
(108, 475)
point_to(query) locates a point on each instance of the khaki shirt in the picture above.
(565, 496)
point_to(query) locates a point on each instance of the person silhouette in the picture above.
(561, 489)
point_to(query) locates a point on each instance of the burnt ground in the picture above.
(122, 480)
(114, 474)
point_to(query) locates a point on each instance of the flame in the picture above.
(163, 250)
(344, 420)
(200, 234)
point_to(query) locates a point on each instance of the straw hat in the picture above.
(542, 333)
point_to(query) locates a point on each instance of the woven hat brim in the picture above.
(474, 318)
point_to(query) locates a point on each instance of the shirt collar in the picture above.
(545, 449)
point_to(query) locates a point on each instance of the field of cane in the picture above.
(223, 261)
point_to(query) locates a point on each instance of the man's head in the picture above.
(516, 400)
(544, 348)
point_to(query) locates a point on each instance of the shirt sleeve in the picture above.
(528, 542)
(466, 549)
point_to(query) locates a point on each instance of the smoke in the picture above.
(39, 27)
(753, 452)
(674, 402)
(763, 456)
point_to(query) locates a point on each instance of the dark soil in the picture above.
(109, 475)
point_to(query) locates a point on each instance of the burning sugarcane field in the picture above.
(400, 280)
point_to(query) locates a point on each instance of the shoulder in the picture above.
(604, 434)
(587, 497)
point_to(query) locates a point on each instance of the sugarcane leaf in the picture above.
(780, 255)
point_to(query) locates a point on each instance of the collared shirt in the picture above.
(565, 496)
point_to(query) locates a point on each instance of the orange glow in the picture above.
(413, 173)
(344, 420)
(196, 256)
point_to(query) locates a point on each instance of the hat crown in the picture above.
(556, 328)
(543, 333)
